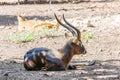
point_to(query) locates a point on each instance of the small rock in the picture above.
(46, 75)
(6, 74)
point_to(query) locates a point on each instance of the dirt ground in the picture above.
(104, 47)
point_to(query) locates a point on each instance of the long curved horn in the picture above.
(67, 27)
(77, 31)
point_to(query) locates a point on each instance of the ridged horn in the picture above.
(78, 33)
(67, 27)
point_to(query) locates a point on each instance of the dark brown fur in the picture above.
(39, 58)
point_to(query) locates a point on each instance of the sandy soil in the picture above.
(104, 47)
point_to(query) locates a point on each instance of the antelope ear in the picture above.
(67, 36)
(77, 42)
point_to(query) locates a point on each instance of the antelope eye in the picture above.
(81, 47)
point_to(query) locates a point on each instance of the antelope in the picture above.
(39, 58)
(31, 25)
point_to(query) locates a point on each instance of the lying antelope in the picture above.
(38, 58)
(31, 25)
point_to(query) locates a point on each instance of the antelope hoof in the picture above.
(92, 63)
(72, 67)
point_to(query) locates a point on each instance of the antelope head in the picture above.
(76, 42)
(20, 19)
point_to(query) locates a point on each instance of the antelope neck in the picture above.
(67, 53)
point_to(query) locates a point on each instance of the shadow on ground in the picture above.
(102, 70)
(6, 20)
(50, 2)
